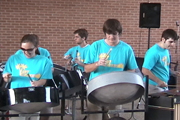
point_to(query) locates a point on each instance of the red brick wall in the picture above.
(54, 21)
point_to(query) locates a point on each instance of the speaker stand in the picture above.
(149, 29)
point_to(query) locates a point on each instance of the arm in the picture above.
(69, 61)
(153, 77)
(45, 74)
(7, 77)
(174, 73)
(79, 62)
(92, 67)
(133, 70)
(131, 64)
(69, 55)
(7, 72)
(39, 83)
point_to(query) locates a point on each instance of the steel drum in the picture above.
(30, 99)
(115, 88)
(70, 78)
(2, 99)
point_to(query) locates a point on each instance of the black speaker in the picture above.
(150, 14)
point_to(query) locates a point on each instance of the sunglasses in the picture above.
(28, 50)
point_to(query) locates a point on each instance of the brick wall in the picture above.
(54, 21)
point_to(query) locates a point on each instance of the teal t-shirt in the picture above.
(120, 58)
(79, 53)
(157, 60)
(19, 66)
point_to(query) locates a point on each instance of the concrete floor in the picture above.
(126, 115)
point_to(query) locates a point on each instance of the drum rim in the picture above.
(102, 81)
(93, 84)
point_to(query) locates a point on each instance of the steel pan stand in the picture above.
(3, 112)
(132, 114)
(3, 116)
(28, 116)
(74, 99)
(74, 108)
(120, 110)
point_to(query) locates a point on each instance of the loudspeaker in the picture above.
(149, 15)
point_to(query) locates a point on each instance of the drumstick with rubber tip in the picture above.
(108, 53)
(30, 77)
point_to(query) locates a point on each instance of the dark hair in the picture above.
(169, 33)
(32, 38)
(82, 33)
(112, 26)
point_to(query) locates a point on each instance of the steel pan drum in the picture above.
(115, 88)
(2, 99)
(30, 99)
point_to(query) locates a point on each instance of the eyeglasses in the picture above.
(28, 50)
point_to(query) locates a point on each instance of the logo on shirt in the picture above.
(165, 60)
(23, 72)
(109, 62)
(79, 57)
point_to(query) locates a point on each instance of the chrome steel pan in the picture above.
(30, 99)
(115, 88)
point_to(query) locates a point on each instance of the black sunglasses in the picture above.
(28, 50)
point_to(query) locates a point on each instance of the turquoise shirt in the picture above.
(42, 51)
(157, 60)
(18, 65)
(120, 58)
(79, 53)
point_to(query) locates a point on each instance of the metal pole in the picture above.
(176, 52)
(149, 37)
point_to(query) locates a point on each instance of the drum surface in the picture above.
(2, 99)
(115, 88)
(31, 99)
